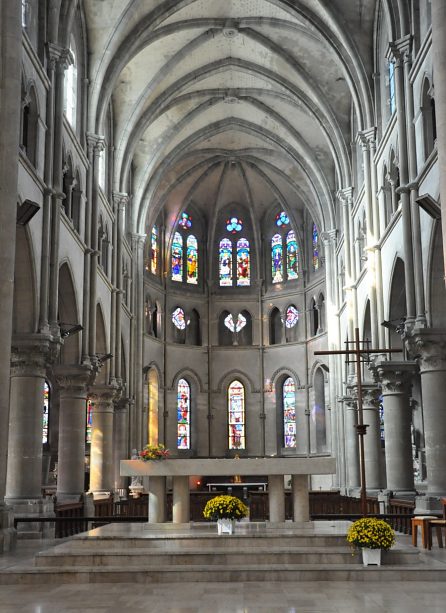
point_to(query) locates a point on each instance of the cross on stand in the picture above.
(361, 428)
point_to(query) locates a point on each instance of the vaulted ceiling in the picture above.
(216, 101)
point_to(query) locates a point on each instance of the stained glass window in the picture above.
(292, 317)
(185, 221)
(183, 411)
(192, 260)
(289, 413)
(235, 327)
(89, 422)
(243, 262)
(154, 251)
(177, 257)
(292, 262)
(178, 319)
(225, 259)
(282, 219)
(315, 247)
(234, 225)
(236, 415)
(46, 412)
(277, 259)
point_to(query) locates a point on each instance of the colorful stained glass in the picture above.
(243, 263)
(225, 259)
(236, 415)
(185, 221)
(289, 413)
(154, 251)
(292, 317)
(292, 262)
(177, 257)
(89, 422)
(282, 219)
(315, 247)
(192, 260)
(179, 319)
(183, 412)
(235, 327)
(276, 259)
(46, 412)
(234, 225)
(381, 419)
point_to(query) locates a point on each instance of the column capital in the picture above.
(103, 396)
(371, 394)
(59, 57)
(395, 377)
(428, 347)
(367, 138)
(74, 378)
(138, 240)
(399, 50)
(95, 143)
(33, 354)
(120, 200)
(329, 237)
(345, 195)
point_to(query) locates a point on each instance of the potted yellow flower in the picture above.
(225, 509)
(372, 536)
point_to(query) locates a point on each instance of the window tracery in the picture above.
(289, 413)
(236, 415)
(183, 415)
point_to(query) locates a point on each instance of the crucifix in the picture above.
(359, 349)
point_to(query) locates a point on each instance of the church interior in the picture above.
(221, 232)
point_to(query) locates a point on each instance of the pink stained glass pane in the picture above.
(236, 415)
(183, 414)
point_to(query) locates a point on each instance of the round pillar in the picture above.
(372, 439)
(395, 380)
(301, 499)
(157, 500)
(276, 499)
(181, 500)
(352, 447)
(101, 459)
(73, 382)
(120, 443)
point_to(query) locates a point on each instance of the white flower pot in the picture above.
(371, 557)
(225, 526)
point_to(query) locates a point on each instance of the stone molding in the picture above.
(428, 348)
(32, 355)
(103, 397)
(395, 377)
(95, 143)
(73, 380)
(371, 394)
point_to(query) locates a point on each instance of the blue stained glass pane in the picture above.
(234, 225)
(276, 259)
(192, 260)
(46, 412)
(225, 259)
(88, 429)
(292, 256)
(177, 257)
(185, 221)
(282, 219)
(289, 413)
(183, 414)
(154, 251)
(315, 247)
(243, 263)
(292, 317)
(236, 415)
(179, 319)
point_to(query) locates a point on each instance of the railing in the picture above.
(403, 510)
(69, 519)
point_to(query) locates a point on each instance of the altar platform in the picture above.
(299, 468)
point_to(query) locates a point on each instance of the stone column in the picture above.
(372, 439)
(439, 61)
(73, 381)
(395, 380)
(352, 445)
(181, 500)
(10, 86)
(101, 458)
(120, 440)
(301, 499)
(429, 347)
(29, 362)
(276, 499)
(157, 500)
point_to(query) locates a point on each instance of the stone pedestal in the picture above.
(372, 439)
(73, 382)
(101, 458)
(395, 378)
(157, 500)
(428, 346)
(276, 498)
(181, 500)
(301, 502)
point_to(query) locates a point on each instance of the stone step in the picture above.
(265, 556)
(222, 573)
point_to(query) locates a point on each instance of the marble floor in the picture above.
(250, 597)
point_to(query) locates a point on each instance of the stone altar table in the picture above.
(181, 469)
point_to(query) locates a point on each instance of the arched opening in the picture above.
(429, 119)
(179, 324)
(288, 406)
(30, 126)
(314, 317)
(67, 186)
(183, 415)
(397, 306)
(437, 291)
(275, 327)
(226, 329)
(102, 377)
(236, 415)
(243, 329)
(68, 316)
(318, 412)
(153, 408)
(76, 203)
(24, 309)
(291, 324)
(193, 329)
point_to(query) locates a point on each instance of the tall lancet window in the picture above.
(183, 419)
(243, 263)
(177, 257)
(292, 262)
(225, 262)
(276, 259)
(236, 415)
(315, 239)
(154, 251)
(46, 412)
(289, 413)
(192, 260)
(89, 422)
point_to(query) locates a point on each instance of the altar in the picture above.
(181, 469)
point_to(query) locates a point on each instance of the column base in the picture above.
(29, 508)
(8, 534)
(425, 505)
(101, 495)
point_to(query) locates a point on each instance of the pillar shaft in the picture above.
(101, 458)
(120, 436)
(372, 440)
(352, 447)
(157, 500)
(181, 500)
(276, 498)
(301, 499)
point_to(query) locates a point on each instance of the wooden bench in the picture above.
(437, 524)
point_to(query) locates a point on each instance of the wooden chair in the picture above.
(422, 522)
(437, 524)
